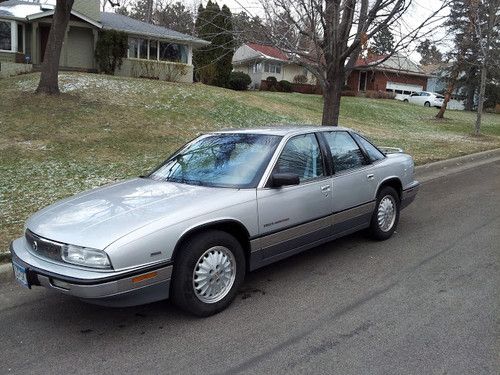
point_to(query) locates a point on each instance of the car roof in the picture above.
(283, 130)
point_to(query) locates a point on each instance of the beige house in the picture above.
(261, 61)
(154, 51)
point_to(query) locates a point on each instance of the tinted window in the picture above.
(5, 39)
(222, 160)
(301, 155)
(373, 153)
(345, 152)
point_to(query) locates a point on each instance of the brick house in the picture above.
(397, 74)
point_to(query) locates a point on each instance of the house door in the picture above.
(362, 81)
(44, 38)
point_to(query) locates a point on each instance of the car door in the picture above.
(297, 215)
(354, 182)
(415, 98)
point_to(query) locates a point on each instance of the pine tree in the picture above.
(213, 62)
(429, 53)
(383, 43)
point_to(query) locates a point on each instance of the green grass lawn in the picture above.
(104, 128)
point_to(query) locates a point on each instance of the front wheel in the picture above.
(208, 272)
(406, 100)
(385, 218)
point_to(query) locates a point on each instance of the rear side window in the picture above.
(373, 153)
(345, 152)
(301, 155)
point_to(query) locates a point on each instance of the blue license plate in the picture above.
(21, 275)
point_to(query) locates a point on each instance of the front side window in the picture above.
(373, 153)
(153, 50)
(143, 49)
(220, 160)
(20, 38)
(302, 156)
(173, 52)
(5, 36)
(272, 68)
(133, 46)
(345, 152)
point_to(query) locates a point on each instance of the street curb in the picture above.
(431, 171)
(423, 173)
(5, 272)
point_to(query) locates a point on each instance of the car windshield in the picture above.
(220, 160)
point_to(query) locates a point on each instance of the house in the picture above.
(260, 61)
(154, 51)
(397, 74)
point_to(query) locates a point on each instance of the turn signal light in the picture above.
(146, 276)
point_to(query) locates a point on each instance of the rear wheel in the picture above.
(208, 271)
(427, 104)
(385, 218)
(406, 100)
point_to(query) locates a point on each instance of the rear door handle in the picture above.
(370, 176)
(325, 188)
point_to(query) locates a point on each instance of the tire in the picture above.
(196, 261)
(406, 101)
(382, 228)
(427, 104)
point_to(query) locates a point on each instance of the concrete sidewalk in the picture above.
(423, 173)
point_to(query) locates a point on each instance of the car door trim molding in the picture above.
(290, 233)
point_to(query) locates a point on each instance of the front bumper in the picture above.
(409, 194)
(109, 288)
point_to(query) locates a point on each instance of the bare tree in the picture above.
(485, 42)
(328, 36)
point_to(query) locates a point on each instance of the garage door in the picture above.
(80, 48)
(400, 87)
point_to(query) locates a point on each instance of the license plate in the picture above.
(21, 275)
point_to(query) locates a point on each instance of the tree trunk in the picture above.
(332, 93)
(480, 104)
(50, 67)
(449, 91)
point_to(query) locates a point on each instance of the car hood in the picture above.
(98, 217)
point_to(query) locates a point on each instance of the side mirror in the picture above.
(284, 179)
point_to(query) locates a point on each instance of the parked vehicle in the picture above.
(425, 98)
(226, 203)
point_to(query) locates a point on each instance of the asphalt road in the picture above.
(423, 302)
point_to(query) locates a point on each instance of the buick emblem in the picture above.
(35, 245)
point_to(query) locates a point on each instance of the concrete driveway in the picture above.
(423, 302)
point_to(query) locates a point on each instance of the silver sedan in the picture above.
(225, 204)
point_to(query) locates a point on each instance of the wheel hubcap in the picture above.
(386, 213)
(214, 274)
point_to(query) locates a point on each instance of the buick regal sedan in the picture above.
(225, 204)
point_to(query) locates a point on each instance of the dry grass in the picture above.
(104, 128)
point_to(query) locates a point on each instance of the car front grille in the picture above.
(43, 247)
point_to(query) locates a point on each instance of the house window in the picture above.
(20, 38)
(5, 36)
(272, 68)
(132, 47)
(153, 50)
(143, 49)
(173, 52)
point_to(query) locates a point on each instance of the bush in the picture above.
(110, 49)
(349, 93)
(239, 81)
(285, 86)
(379, 94)
(300, 78)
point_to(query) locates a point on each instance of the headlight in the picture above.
(84, 256)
